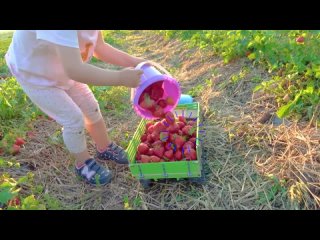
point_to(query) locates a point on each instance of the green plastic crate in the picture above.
(162, 170)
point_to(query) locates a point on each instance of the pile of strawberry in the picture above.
(167, 140)
(17, 145)
(15, 149)
(152, 100)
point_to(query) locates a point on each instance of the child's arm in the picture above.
(109, 54)
(79, 71)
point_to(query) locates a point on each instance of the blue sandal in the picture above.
(94, 173)
(114, 153)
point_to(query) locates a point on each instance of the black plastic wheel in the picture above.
(146, 183)
(199, 180)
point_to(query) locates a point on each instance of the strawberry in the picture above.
(168, 154)
(178, 155)
(14, 202)
(149, 139)
(168, 146)
(151, 129)
(143, 138)
(156, 93)
(159, 112)
(172, 137)
(162, 103)
(30, 134)
(143, 148)
(181, 125)
(165, 123)
(170, 101)
(155, 136)
(148, 90)
(188, 130)
(174, 128)
(179, 141)
(15, 149)
(145, 159)
(157, 85)
(182, 119)
(187, 146)
(192, 123)
(157, 144)
(19, 141)
(158, 151)
(154, 159)
(170, 117)
(191, 155)
(159, 127)
(148, 124)
(193, 140)
(143, 104)
(300, 39)
(151, 152)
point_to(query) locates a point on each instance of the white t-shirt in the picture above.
(34, 52)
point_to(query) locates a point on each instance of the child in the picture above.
(52, 69)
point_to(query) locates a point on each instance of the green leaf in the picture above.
(284, 110)
(23, 179)
(252, 56)
(257, 88)
(30, 203)
(5, 196)
(8, 184)
(7, 102)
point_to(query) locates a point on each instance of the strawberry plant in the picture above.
(292, 56)
(10, 197)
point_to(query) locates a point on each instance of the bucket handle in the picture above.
(154, 64)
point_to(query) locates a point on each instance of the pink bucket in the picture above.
(150, 76)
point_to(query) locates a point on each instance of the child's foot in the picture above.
(94, 173)
(114, 153)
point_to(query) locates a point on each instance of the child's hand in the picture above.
(130, 77)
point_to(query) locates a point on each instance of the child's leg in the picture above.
(58, 105)
(98, 132)
(107, 150)
(94, 123)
